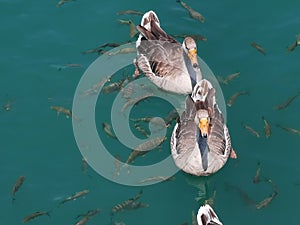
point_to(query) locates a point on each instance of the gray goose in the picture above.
(170, 65)
(200, 142)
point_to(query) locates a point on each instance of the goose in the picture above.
(207, 216)
(200, 142)
(170, 65)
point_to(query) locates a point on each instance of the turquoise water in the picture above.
(38, 37)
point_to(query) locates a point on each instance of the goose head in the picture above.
(190, 48)
(202, 120)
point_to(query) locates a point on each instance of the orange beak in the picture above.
(203, 126)
(192, 53)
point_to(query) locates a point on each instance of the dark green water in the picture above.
(38, 37)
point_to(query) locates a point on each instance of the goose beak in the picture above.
(192, 53)
(203, 126)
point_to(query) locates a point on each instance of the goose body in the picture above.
(200, 142)
(170, 65)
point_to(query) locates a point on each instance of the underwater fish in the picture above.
(108, 130)
(7, 106)
(193, 13)
(267, 127)
(115, 86)
(83, 221)
(75, 196)
(60, 109)
(258, 47)
(245, 197)
(233, 98)
(228, 78)
(289, 129)
(126, 204)
(173, 115)
(62, 2)
(211, 200)
(265, 202)
(292, 46)
(96, 87)
(100, 49)
(135, 100)
(133, 12)
(287, 102)
(257, 178)
(122, 51)
(17, 185)
(34, 215)
(84, 165)
(117, 165)
(298, 39)
(157, 178)
(132, 27)
(140, 129)
(251, 130)
(89, 213)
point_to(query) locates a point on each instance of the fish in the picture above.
(157, 178)
(100, 48)
(127, 91)
(89, 213)
(132, 27)
(126, 204)
(298, 39)
(34, 215)
(75, 196)
(121, 51)
(256, 179)
(108, 130)
(267, 127)
(67, 112)
(62, 2)
(95, 88)
(228, 78)
(135, 100)
(17, 186)
(245, 197)
(7, 106)
(173, 115)
(232, 99)
(292, 46)
(117, 165)
(84, 165)
(137, 205)
(133, 12)
(148, 119)
(194, 14)
(265, 202)
(114, 86)
(141, 130)
(286, 103)
(259, 48)
(83, 221)
(251, 130)
(211, 200)
(196, 37)
(194, 218)
(144, 148)
(289, 129)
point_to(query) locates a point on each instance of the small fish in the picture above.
(117, 165)
(157, 178)
(133, 12)
(75, 196)
(61, 2)
(194, 14)
(84, 165)
(267, 127)
(194, 218)
(100, 49)
(232, 99)
(127, 91)
(148, 119)
(126, 204)
(258, 47)
(114, 86)
(251, 130)
(135, 101)
(7, 106)
(132, 27)
(211, 200)
(89, 213)
(196, 37)
(172, 116)
(17, 185)
(34, 215)
(228, 78)
(298, 39)
(137, 205)
(257, 178)
(245, 197)
(122, 51)
(287, 102)
(108, 130)
(141, 130)
(292, 46)
(96, 87)
(289, 129)
(60, 109)
(83, 221)
(265, 202)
